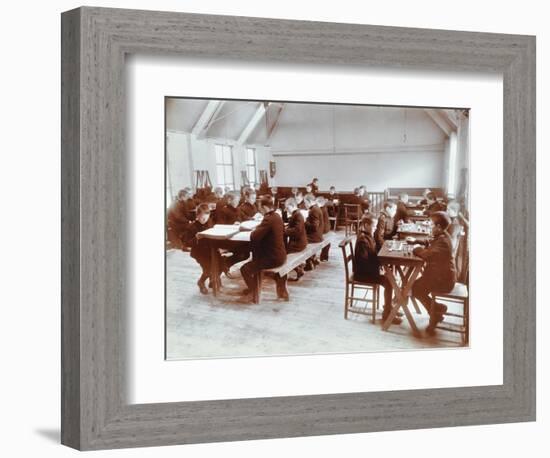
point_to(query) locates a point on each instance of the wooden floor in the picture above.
(200, 326)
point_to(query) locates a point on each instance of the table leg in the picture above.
(402, 297)
(214, 268)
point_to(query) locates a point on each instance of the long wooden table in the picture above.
(229, 237)
(397, 258)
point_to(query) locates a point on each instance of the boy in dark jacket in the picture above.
(178, 219)
(268, 248)
(295, 232)
(229, 213)
(314, 226)
(322, 203)
(433, 204)
(200, 251)
(385, 226)
(248, 208)
(440, 270)
(367, 266)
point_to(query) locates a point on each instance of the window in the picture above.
(451, 180)
(251, 165)
(224, 166)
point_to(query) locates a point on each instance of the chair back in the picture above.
(346, 245)
(352, 212)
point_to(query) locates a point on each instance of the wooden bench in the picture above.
(293, 260)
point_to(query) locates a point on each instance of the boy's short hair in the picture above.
(389, 203)
(441, 219)
(183, 193)
(249, 191)
(267, 201)
(355, 190)
(332, 187)
(315, 179)
(430, 195)
(310, 197)
(232, 195)
(367, 220)
(202, 208)
(291, 201)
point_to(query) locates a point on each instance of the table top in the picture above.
(398, 252)
(414, 228)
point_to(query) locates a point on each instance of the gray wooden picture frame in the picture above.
(95, 413)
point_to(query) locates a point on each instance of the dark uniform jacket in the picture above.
(179, 214)
(228, 215)
(302, 205)
(314, 188)
(384, 229)
(296, 233)
(326, 221)
(401, 214)
(440, 268)
(314, 225)
(358, 200)
(199, 247)
(248, 211)
(267, 240)
(366, 265)
(435, 207)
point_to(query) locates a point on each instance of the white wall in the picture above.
(377, 171)
(346, 146)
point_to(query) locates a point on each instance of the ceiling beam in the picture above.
(440, 121)
(271, 129)
(252, 123)
(212, 108)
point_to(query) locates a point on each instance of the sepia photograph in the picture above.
(303, 228)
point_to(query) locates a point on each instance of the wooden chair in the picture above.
(352, 217)
(459, 295)
(352, 285)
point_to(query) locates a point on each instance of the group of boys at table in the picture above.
(304, 220)
(307, 220)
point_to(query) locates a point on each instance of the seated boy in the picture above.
(248, 208)
(385, 226)
(439, 272)
(295, 232)
(314, 226)
(433, 204)
(367, 266)
(300, 200)
(200, 251)
(401, 214)
(321, 202)
(268, 248)
(231, 214)
(178, 219)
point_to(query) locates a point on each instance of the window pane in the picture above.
(227, 155)
(251, 173)
(228, 173)
(220, 175)
(249, 156)
(219, 154)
